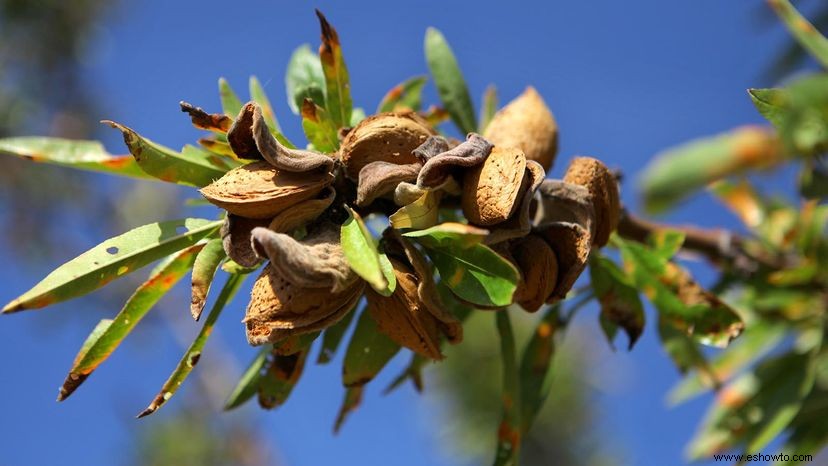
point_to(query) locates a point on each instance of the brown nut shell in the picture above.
(403, 316)
(571, 244)
(491, 191)
(526, 123)
(603, 188)
(538, 265)
(388, 137)
(257, 190)
(278, 308)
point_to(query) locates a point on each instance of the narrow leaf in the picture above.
(113, 259)
(304, 79)
(405, 96)
(230, 103)
(449, 80)
(805, 33)
(620, 304)
(535, 368)
(248, 384)
(360, 250)
(352, 400)
(509, 432)
(489, 108)
(331, 338)
(102, 342)
(420, 214)
(319, 128)
(82, 155)
(281, 374)
(449, 235)
(167, 164)
(338, 101)
(204, 269)
(193, 354)
(368, 352)
(257, 93)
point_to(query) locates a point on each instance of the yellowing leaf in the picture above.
(420, 214)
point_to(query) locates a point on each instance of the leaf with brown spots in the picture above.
(193, 354)
(167, 164)
(338, 101)
(113, 259)
(620, 304)
(281, 373)
(210, 121)
(103, 341)
(509, 432)
(204, 269)
(319, 128)
(81, 155)
(805, 33)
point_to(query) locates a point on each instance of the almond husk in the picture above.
(491, 191)
(279, 309)
(403, 316)
(388, 137)
(603, 189)
(528, 124)
(257, 190)
(235, 237)
(571, 244)
(538, 265)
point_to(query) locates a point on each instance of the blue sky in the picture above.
(624, 79)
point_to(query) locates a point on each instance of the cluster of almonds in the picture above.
(545, 227)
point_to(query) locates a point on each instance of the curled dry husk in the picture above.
(538, 265)
(307, 286)
(403, 316)
(528, 124)
(380, 178)
(491, 191)
(388, 137)
(438, 167)
(603, 190)
(565, 219)
(258, 190)
(250, 138)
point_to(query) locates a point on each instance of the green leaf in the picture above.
(368, 352)
(476, 274)
(360, 250)
(304, 79)
(413, 371)
(357, 115)
(248, 384)
(813, 182)
(103, 341)
(509, 431)
(683, 350)
(167, 164)
(331, 338)
(535, 368)
(352, 400)
(449, 80)
(771, 103)
(489, 109)
(620, 303)
(193, 354)
(81, 155)
(320, 130)
(257, 93)
(686, 305)
(338, 101)
(676, 173)
(204, 269)
(805, 33)
(281, 374)
(406, 95)
(758, 340)
(113, 259)
(762, 403)
(448, 235)
(230, 103)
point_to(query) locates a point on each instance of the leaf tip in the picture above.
(12, 307)
(72, 382)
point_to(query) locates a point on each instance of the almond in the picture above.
(528, 124)
(603, 189)
(491, 191)
(538, 265)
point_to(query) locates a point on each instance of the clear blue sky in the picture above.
(624, 79)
